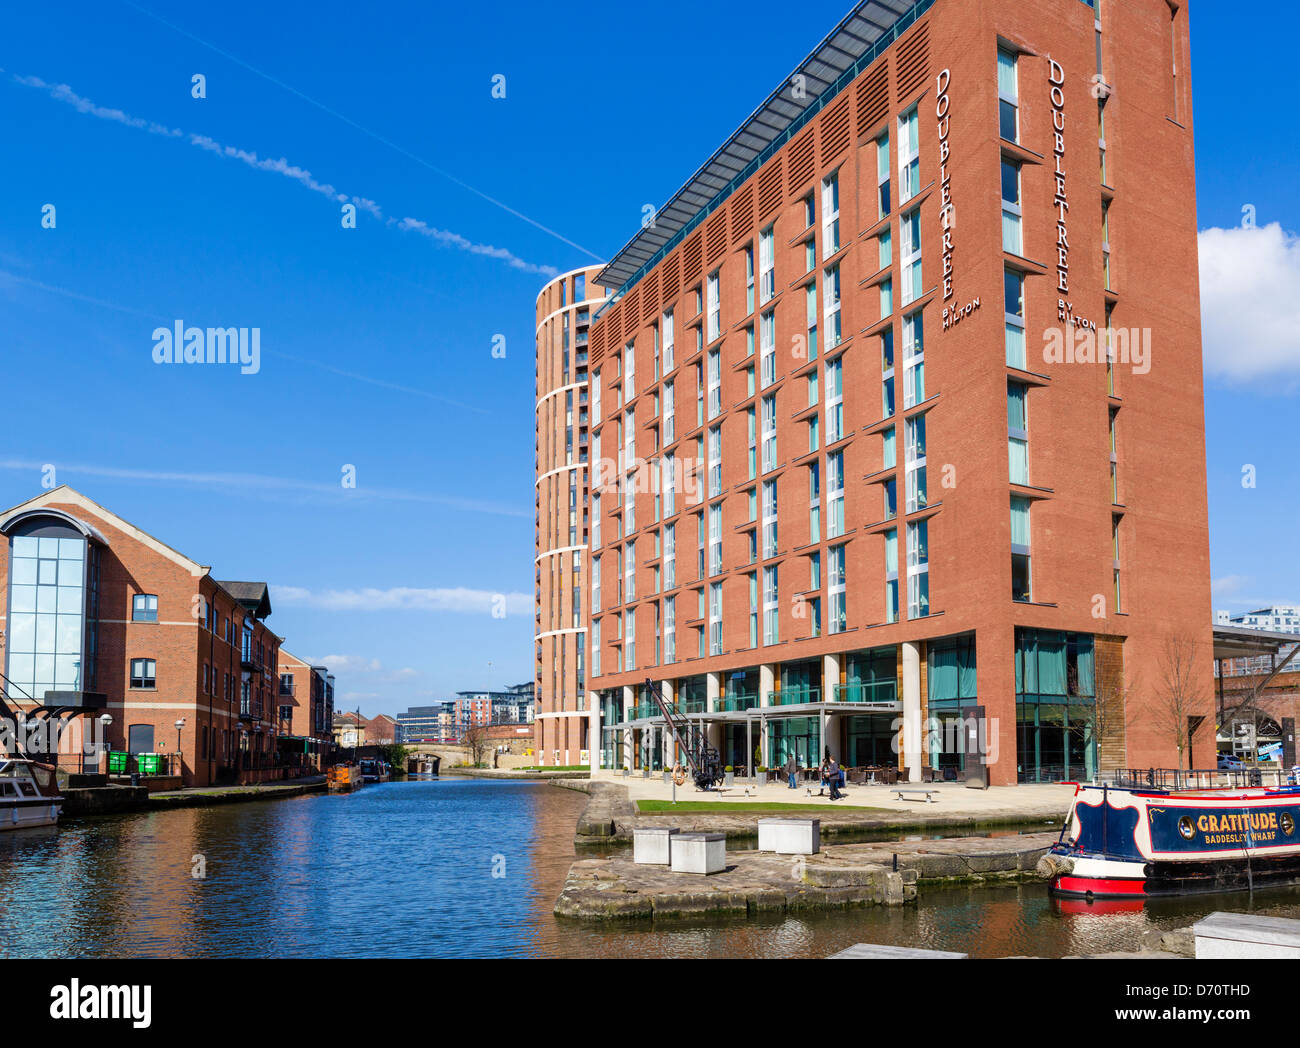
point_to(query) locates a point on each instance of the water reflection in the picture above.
(454, 867)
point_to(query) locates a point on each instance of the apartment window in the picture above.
(1101, 137)
(670, 556)
(913, 359)
(1018, 432)
(595, 584)
(1011, 209)
(916, 486)
(699, 394)
(1114, 529)
(595, 648)
(1008, 97)
(1105, 243)
(837, 589)
(1020, 573)
(815, 586)
(629, 639)
(809, 211)
(835, 494)
(595, 397)
(886, 297)
(629, 573)
(715, 618)
(715, 383)
(1013, 285)
(882, 174)
(834, 400)
(771, 608)
(887, 372)
(715, 539)
(918, 569)
(891, 575)
(144, 673)
(1114, 458)
(831, 307)
(768, 404)
(814, 503)
(910, 243)
(766, 265)
(767, 348)
(811, 317)
(144, 607)
(629, 371)
(830, 215)
(667, 329)
(715, 306)
(751, 443)
(889, 453)
(595, 521)
(909, 156)
(670, 630)
(769, 519)
(749, 279)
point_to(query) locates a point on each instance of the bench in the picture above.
(906, 795)
(790, 836)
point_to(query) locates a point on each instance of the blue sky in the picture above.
(377, 341)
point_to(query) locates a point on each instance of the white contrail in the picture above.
(63, 93)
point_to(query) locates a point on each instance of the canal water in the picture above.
(449, 868)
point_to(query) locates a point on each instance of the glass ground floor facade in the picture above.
(1055, 710)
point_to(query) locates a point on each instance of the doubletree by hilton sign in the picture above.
(1056, 77)
(952, 313)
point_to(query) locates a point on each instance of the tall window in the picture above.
(670, 413)
(715, 461)
(882, 173)
(1008, 97)
(670, 630)
(669, 362)
(749, 279)
(835, 494)
(629, 639)
(909, 156)
(830, 215)
(891, 575)
(668, 468)
(910, 243)
(769, 519)
(766, 265)
(814, 502)
(50, 588)
(767, 349)
(811, 316)
(918, 569)
(1013, 285)
(834, 400)
(1114, 528)
(1020, 573)
(916, 486)
(752, 579)
(751, 436)
(715, 618)
(1011, 210)
(715, 306)
(913, 359)
(595, 584)
(670, 557)
(715, 539)
(715, 383)
(771, 606)
(1018, 432)
(1114, 458)
(769, 433)
(629, 573)
(629, 371)
(837, 589)
(1105, 243)
(831, 308)
(887, 372)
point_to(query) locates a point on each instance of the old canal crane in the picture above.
(706, 765)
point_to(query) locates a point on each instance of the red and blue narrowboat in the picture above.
(1123, 842)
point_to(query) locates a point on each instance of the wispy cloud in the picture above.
(1250, 306)
(405, 598)
(266, 485)
(281, 166)
(362, 665)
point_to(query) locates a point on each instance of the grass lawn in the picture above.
(744, 807)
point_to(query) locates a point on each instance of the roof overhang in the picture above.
(848, 49)
(13, 520)
(1234, 642)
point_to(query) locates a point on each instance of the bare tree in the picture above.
(476, 742)
(1178, 699)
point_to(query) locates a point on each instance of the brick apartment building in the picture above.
(565, 722)
(305, 709)
(101, 618)
(833, 492)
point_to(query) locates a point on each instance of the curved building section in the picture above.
(564, 727)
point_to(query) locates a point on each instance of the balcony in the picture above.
(883, 691)
(797, 695)
(737, 702)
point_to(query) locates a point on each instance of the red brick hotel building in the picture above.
(837, 501)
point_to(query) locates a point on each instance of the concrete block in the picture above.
(1233, 935)
(698, 852)
(650, 845)
(790, 836)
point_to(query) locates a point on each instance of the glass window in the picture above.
(143, 673)
(1011, 209)
(1008, 97)
(144, 607)
(1013, 285)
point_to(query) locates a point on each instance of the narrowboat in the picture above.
(344, 777)
(1134, 842)
(29, 794)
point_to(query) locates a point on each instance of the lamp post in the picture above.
(180, 723)
(104, 721)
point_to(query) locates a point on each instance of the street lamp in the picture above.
(180, 723)
(105, 720)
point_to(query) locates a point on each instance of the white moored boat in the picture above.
(29, 794)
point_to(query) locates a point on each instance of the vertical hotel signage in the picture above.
(951, 314)
(1056, 77)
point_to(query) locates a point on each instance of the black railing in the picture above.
(1189, 778)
